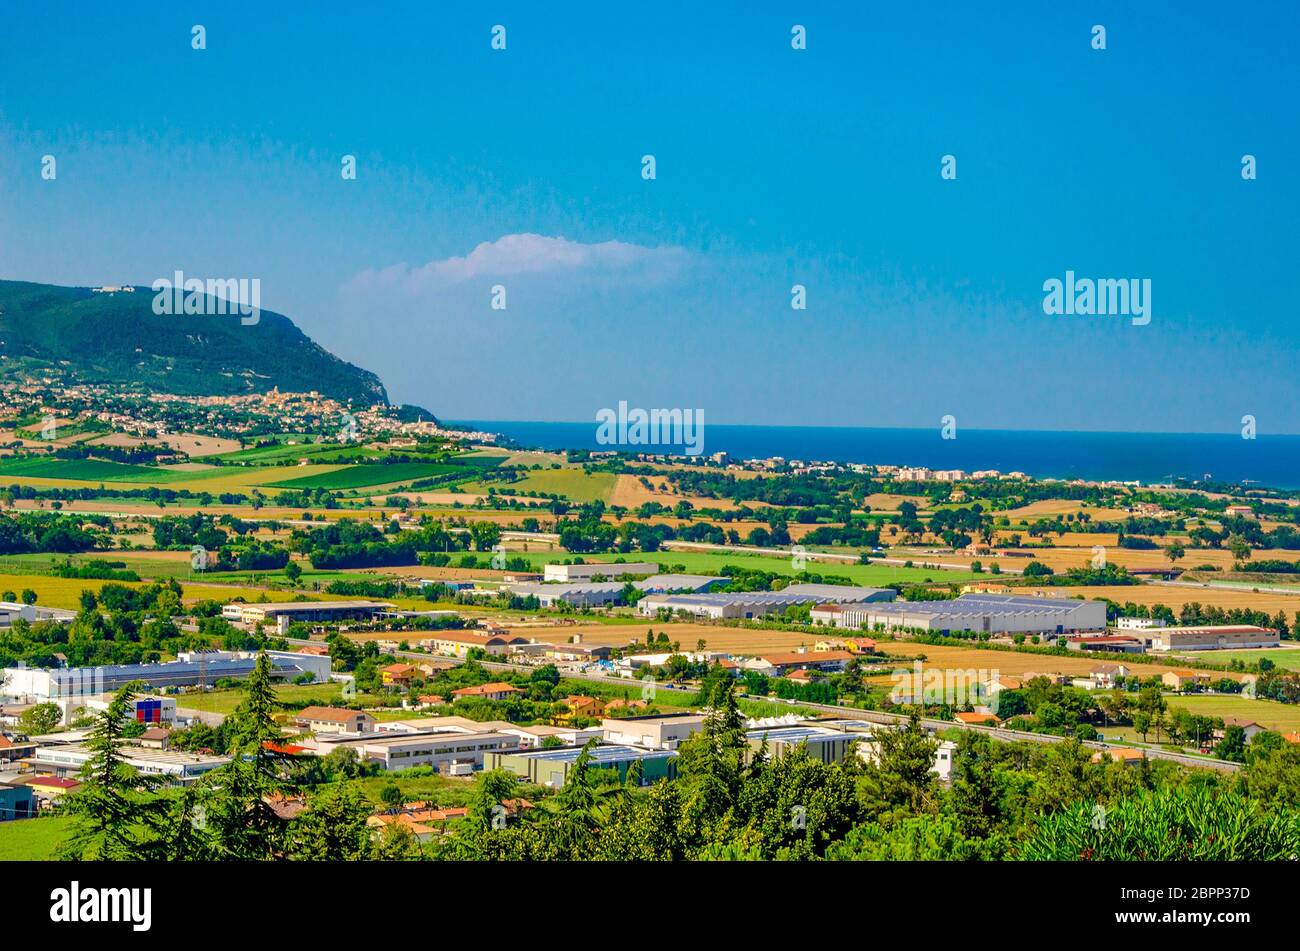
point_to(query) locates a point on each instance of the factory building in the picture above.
(986, 613)
(588, 594)
(752, 604)
(571, 573)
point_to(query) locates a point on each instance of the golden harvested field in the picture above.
(1047, 508)
(883, 502)
(630, 493)
(1062, 558)
(716, 638)
(197, 446)
(1011, 663)
(115, 439)
(66, 592)
(1068, 540)
(1175, 597)
(429, 571)
(430, 498)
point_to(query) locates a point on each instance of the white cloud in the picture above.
(524, 254)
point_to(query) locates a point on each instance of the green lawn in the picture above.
(26, 840)
(225, 701)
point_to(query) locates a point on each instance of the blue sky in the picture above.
(775, 167)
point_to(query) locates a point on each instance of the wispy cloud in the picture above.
(515, 255)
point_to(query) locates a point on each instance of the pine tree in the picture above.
(242, 819)
(117, 811)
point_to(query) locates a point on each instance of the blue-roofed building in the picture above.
(16, 802)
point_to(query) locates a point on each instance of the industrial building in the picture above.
(587, 594)
(460, 643)
(828, 746)
(1212, 637)
(11, 611)
(41, 684)
(446, 751)
(685, 584)
(662, 732)
(752, 604)
(16, 802)
(551, 767)
(986, 613)
(571, 573)
(66, 761)
(305, 611)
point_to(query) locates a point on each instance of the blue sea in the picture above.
(1145, 457)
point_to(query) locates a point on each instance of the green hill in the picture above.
(117, 338)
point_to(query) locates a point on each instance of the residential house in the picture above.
(1249, 727)
(1105, 676)
(1183, 679)
(335, 720)
(578, 706)
(1125, 755)
(977, 719)
(497, 690)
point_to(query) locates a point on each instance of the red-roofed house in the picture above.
(498, 690)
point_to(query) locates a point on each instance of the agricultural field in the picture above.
(1175, 596)
(572, 483)
(1287, 658)
(1050, 508)
(709, 562)
(1013, 663)
(631, 493)
(1282, 717)
(54, 592)
(362, 476)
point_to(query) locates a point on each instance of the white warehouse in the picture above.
(985, 613)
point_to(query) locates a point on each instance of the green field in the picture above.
(705, 563)
(28, 840)
(1283, 717)
(1287, 658)
(573, 484)
(225, 701)
(84, 469)
(360, 476)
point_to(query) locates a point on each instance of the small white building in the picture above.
(606, 570)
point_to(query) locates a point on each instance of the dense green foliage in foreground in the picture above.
(1025, 801)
